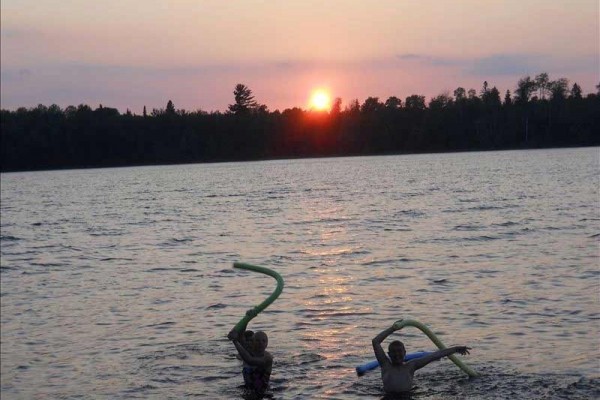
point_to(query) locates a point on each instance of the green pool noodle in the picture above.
(459, 363)
(240, 326)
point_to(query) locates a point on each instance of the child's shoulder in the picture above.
(267, 356)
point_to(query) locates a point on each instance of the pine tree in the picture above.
(244, 100)
(170, 108)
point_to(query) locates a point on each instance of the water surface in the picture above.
(118, 283)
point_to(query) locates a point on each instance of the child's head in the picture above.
(260, 341)
(397, 352)
(247, 340)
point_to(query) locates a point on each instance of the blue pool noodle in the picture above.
(361, 369)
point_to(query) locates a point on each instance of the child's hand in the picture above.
(233, 335)
(462, 350)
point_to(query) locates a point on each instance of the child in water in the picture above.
(396, 374)
(257, 361)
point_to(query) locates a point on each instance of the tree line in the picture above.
(540, 113)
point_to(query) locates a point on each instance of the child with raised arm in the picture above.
(396, 374)
(257, 361)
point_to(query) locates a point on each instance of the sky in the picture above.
(129, 54)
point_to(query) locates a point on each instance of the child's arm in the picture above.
(252, 313)
(263, 361)
(419, 363)
(379, 353)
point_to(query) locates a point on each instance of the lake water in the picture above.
(118, 283)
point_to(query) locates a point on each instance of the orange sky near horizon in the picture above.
(136, 53)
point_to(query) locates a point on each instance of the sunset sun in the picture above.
(320, 100)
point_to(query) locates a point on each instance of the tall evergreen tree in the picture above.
(507, 98)
(336, 108)
(244, 100)
(170, 108)
(576, 91)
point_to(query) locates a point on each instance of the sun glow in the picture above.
(320, 100)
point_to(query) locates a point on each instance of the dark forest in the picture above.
(540, 113)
